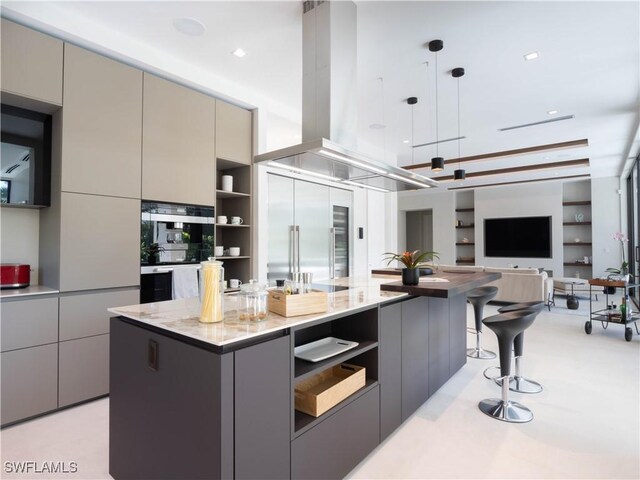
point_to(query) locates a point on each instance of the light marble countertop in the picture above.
(182, 316)
(14, 293)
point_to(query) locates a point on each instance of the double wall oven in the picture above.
(182, 236)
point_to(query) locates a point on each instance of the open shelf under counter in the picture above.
(225, 194)
(232, 225)
(304, 369)
(304, 422)
(240, 257)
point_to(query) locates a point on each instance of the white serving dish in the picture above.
(323, 349)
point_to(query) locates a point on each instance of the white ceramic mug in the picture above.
(586, 259)
(218, 251)
(222, 220)
(236, 221)
(227, 183)
(234, 283)
(234, 251)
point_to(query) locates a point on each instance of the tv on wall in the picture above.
(522, 237)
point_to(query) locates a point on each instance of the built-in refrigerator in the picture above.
(309, 227)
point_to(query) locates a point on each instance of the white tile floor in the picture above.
(586, 425)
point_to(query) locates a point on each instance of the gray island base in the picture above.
(185, 404)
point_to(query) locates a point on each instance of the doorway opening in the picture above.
(419, 230)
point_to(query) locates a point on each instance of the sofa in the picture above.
(516, 284)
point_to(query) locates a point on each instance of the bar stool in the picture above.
(507, 326)
(518, 383)
(479, 297)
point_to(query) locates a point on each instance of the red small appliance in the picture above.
(14, 275)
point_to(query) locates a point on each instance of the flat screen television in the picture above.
(521, 237)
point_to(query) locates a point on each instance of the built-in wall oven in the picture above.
(172, 236)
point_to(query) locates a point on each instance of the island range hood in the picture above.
(329, 110)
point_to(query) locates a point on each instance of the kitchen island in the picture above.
(192, 400)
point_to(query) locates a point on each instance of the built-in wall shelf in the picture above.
(576, 244)
(577, 224)
(577, 264)
(465, 243)
(225, 194)
(469, 261)
(240, 257)
(465, 209)
(581, 202)
(231, 225)
(465, 226)
(576, 203)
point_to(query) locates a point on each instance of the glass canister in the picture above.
(253, 302)
(211, 291)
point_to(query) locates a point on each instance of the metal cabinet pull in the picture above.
(152, 355)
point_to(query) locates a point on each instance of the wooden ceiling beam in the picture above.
(467, 187)
(582, 162)
(584, 142)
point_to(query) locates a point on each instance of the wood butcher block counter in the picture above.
(218, 401)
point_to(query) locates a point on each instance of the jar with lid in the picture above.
(211, 291)
(253, 302)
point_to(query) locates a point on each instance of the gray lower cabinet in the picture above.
(29, 382)
(415, 357)
(171, 408)
(28, 323)
(83, 369)
(457, 333)
(390, 369)
(438, 343)
(336, 445)
(263, 410)
(84, 314)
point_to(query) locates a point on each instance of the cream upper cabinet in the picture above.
(102, 125)
(233, 133)
(31, 63)
(178, 154)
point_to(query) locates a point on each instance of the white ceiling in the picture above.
(589, 66)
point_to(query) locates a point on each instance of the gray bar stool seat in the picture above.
(479, 297)
(507, 326)
(518, 383)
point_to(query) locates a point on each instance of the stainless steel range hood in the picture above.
(329, 110)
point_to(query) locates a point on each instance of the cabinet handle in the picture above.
(152, 355)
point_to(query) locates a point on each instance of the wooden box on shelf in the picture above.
(315, 301)
(325, 390)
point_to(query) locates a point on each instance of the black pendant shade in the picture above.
(459, 174)
(437, 164)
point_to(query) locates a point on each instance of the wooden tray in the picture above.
(315, 301)
(325, 390)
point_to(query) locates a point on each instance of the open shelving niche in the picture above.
(465, 213)
(361, 327)
(235, 204)
(576, 198)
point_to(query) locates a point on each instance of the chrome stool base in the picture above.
(520, 384)
(508, 411)
(480, 353)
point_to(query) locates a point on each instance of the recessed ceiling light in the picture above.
(189, 26)
(531, 56)
(405, 141)
(552, 112)
(238, 52)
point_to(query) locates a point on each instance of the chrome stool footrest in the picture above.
(520, 384)
(480, 353)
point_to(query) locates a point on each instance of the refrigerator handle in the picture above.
(332, 251)
(292, 250)
(297, 248)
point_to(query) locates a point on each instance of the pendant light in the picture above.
(437, 162)
(459, 174)
(412, 101)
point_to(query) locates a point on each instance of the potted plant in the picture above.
(411, 262)
(150, 252)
